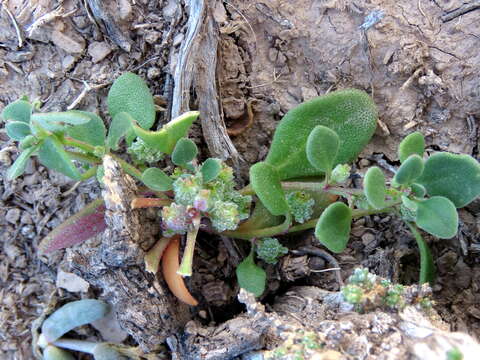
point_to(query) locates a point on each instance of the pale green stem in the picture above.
(83, 157)
(78, 144)
(89, 173)
(185, 268)
(261, 233)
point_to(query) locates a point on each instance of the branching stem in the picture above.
(185, 268)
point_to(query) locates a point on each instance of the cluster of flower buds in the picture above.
(269, 250)
(216, 200)
(142, 153)
(301, 205)
(340, 174)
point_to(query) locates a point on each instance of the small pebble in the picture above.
(368, 238)
(26, 218)
(12, 215)
(99, 50)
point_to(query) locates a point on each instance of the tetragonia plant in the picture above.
(299, 186)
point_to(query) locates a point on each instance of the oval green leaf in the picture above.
(184, 152)
(322, 148)
(456, 177)
(57, 121)
(418, 190)
(17, 130)
(409, 171)
(251, 277)
(350, 113)
(157, 180)
(266, 184)
(19, 110)
(18, 167)
(412, 144)
(72, 315)
(130, 94)
(437, 216)
(53, 156)
(375, 187)
(333, 227)
(54, 353)
(92, 132)
(210, 169)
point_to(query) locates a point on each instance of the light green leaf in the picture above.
(265, 182)
(72, 315)
(54, 353)
(333, 227)
(166, 138)
(20, 163)
(456, 177)
(27, 142)
(19, 110)
(418, 190)
(210, 169)
(427, 266)
(437, 216)
(157, 180)
(92, 132)
(322, 148)
(130, 94)
(375, 188)
(53, 156)
(57, 121)
(17, 130)
(350, 113)
(412, 144)
(251, 277)
(185, 151)
(121, 123)
(409, 171)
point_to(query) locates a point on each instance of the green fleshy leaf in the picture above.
(54, 353)
(375, 188)
(251, 277)
(322, 148)
(210, 169)
(185, 151)
(166, 138)
(27, 142)
(350, 113)
(437, 216)
(19, 110)
(418, 190)
(157, 180)
(58, 121)
(120, 125)
(17, 130)
(412, 205)
(333, 227)
(53, 156)
(72, 315)
(409, 171)
(456, 177)
(427, 266)
(412, 144)
(92, 132)
(85, 224)
(18, 167)
(265, 182)
(130, 94)
(106, 351)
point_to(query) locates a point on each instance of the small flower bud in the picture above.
(175, 219)
(340, 173)
(141, 152)
(269, 250)
(186, 188)
(301, 205)
(224, 216)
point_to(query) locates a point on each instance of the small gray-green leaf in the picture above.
(251, 277)
(106, 351)
(20, 163)
(437, 216)
(130, 94)
(375, 188)
(54, 353)
(157, 180)
(53, 156)
(17, 130)
(333, 227)
(418, 190)
(120, 125)
(19, 110)
(412, 144)
(92, 132)
(456, 177)
(322, 148)
(71, 117)
(210, 169)
(266, 184)
(72, 315)
(185, 151)
(409, 171)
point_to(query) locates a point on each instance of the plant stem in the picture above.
(89, 173)
(260, 233)
(78, 144)
(90, 159)
(185, 268)
(427, 266)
